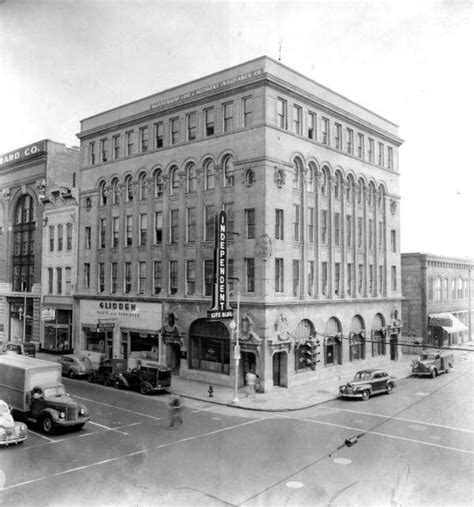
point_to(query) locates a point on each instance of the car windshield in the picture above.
(362, 375)
(427, 356)
(51, 392)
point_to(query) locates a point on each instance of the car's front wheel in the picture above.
(71, 374)
(47, 424)
(434, 373)
(365, 395)
(389, 388)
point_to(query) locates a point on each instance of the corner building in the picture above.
(310, 184)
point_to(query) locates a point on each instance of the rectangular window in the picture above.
(371, 234)
(282, 114)
(87, 275)
(116, 146)
(50, 280)
(360, 279)
(249, 275)
(92, 153)
(129, 143)
(103, 150)
(158, 227)
(338, 136)
(209, 222)
(324, 226)
(127, 277)
(312, 126)
(393, 240)
(228, 116)
(296, 222)
(113, 277)
(157, 278)
(278, 275)
(60, 237)
(296, 277)
(381, 236)
(297, 117)
(174, 130)
(337, 229)
(190, 277)
(229, 210)
(69, 237)
(141, 277)
(324, 278)
(173, 274)
(349, 141)
(101, 277)
(381, 154)
(87, 238)
(381, 280)
(143, 228)
(191, 225)
(250, 223)
(67, 281)
(311, 225)
(394, 278)
(116, 232)
(51, 238)
(371, 150)
(390, 157)
(349, 278)
(360, 231)
(144, 139)
(310, 277)
(129, 230)
(360, 145)
(102, 232)
(208, 277)
(247, 111)
(337, 278)
(371, 280)
(59, 280)
(349, 230)
(325, 131)
(279, 224)
(191, 126)
(209, 121)
(174, 226)
(159, 135)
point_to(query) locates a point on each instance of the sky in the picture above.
(409, 61)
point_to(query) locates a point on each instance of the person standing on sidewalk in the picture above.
(175, 407)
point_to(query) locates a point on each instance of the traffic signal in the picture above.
(311, 353)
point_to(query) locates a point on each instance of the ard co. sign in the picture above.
(30, 151)
(220, 305)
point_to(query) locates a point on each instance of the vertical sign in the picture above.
(220, 306)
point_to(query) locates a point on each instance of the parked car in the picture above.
(75, 366)
(104, 374)
(368, 382)
(432, 363)
(147, 378)
(24, 348)
(11, 431)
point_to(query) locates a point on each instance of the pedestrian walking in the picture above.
(250, 380)
(175, 406)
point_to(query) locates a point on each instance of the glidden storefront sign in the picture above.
(27, 152)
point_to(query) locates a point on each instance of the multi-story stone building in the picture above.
(309, 181)
(27, 176)
(437, 299)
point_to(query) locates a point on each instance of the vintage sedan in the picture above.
(368, 382)
(75, 366)
(11, 431)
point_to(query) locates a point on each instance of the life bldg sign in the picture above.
(25, 153)
(126, 314)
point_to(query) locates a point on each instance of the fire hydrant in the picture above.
(211, 391)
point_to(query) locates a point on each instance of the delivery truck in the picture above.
(33, 389)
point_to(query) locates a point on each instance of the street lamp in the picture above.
(235, 329)
(22, 310)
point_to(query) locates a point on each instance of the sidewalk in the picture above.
(277, 399)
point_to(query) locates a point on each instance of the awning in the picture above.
(448, 322)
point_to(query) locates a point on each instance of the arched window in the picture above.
(297, 174)
(453, 289)
(304, 332)
(128, 189)
(324, 181)
(228, 169)
(174, 179)
(357, 339)
(191, 178)
(381, 198)
(445, 294)
(338, 186)
(350, 189)
(371, 194)
(311, 175)
(210, 174)
(143, 186)
(378, 335)
(158, 183)
(102, 194)
(24, 244)
(360, 192)
(332, 342)
(115, 191)
(460, 288)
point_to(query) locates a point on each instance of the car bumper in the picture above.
(351, 395)
(74, 422)
(12, 439)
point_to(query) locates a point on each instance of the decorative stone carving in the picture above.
(263, 247)
(393, 207)
(281, 327)
(279, 177)
(6, 193)
(249, 177)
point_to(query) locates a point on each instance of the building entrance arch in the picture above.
(280, 368)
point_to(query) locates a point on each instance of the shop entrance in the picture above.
(248, 363)
(174, 358)
(280, 367)
(394, 347)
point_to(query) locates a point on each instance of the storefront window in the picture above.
(57, 333)
(95, 341)
(144, 345)
(210, 347)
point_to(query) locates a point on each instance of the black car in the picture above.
(149, 377)
(368, 382)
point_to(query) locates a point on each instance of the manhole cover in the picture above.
(294, 484)
(342, 461)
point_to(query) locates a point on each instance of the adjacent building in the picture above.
(437, 307)
(309, 182)
(29, 177)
